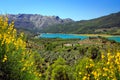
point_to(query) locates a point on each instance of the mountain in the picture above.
(36, 21)
(109, 24)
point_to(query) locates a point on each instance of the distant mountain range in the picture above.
(109, 24)
(36, 21)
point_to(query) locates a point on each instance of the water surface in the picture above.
(73, 36)
(63, 36)
(115, 38)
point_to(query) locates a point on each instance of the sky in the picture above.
(74, 9)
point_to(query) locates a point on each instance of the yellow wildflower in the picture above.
(84, 78)
(80, 73)
(91, 65)
(105, 69)
(90, 60)
(40, 75)
(23, 69)
(86, 66)
(108, 54)
(4, 59)
(104, 74)
(95, 74)
(108, 63)
(102, 56)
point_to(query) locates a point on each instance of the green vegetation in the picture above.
(16, 62)
(30, 58)
(104, 25)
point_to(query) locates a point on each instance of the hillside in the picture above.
(109, 24)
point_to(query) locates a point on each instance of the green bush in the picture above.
(16, 62)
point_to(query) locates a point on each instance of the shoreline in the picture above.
(90, 35)
(95, 35)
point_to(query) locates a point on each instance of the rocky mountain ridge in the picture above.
(36, 21)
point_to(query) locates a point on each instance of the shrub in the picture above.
(106, 69)
(16, 62)
(57, 71)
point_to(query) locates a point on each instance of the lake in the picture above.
(116, 38)
(63, 36)
(72, 36)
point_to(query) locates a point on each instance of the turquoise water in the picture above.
(73, 36)
(116, 38)
(63, 36)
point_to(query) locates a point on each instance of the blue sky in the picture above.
(75, 9)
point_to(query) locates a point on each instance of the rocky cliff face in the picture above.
(36, 21)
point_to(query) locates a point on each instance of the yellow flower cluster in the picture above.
(37, 74)
(15, 49)
(9, 35)
(4, 59)
(23, 69)
(108, 68)
(102, 56)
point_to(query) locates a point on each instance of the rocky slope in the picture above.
(36, 21)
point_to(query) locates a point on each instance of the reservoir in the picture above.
(73, 36)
